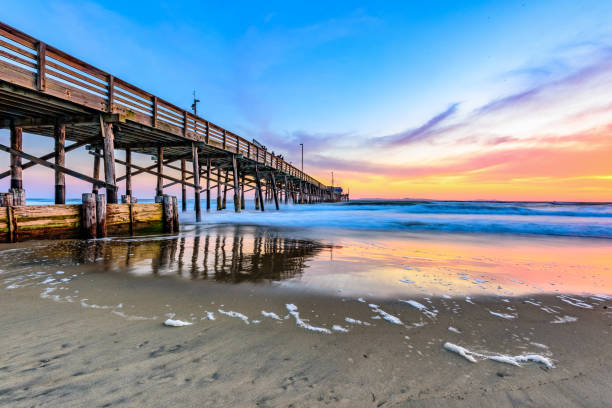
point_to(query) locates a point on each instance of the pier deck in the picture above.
(47, 92)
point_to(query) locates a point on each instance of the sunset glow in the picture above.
(516, 106)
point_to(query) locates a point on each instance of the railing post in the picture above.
(224, 139)
(207, 131)
(184, 123)
(41, 78)
(111, 93)
(154, 118)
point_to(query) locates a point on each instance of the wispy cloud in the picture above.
(427, 129)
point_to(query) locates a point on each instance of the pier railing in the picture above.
(33, 64)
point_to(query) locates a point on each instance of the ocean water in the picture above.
(556, 219)
(533, 218)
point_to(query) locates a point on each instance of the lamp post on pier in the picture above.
(302, 145)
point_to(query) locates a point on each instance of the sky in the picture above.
(443, 100)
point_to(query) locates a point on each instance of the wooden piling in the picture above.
(96, 170)
(274, 191)
(16, 169)
(128, 173)
(256, 200)
(88, 221)
(237, 204)
(208, 165)
(109, 161)
(183, 186)
(101, 216)
(286, 191)
(59, 133)
(225, 189)
(159, 191)
(219, 202)
(258, 185)
(168, 218)
(242, 203)
(196, 182)
(175, 214)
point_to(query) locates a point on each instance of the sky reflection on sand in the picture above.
(426, 264)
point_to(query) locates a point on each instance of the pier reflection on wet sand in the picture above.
(229, 254)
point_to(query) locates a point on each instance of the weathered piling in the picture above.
(175, 215)
(208, 165)
(89, 221)
(184, 186)
(101, 216)
(59, 133)
(168, 214)
(196, 182)
(128, 173)
(237, 198)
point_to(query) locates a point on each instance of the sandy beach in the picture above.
(276, 322)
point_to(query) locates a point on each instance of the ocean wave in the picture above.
(541, 219)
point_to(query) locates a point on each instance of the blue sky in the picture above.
(335, 75)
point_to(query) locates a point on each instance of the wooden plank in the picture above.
(18, 59)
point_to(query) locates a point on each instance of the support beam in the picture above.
(16, 170)
(109, 161)
(219, 202)
(274, 191)
(259, 194)
(96, 171)
(183, 186)
(208, 166)
(225, 190)
(159, 191)
(54, 166)
(48, 156)
(145, 169)
(242, 203)
(59, 133)
(286, 191)
(237, 202)
(128, 173)
(196, 182)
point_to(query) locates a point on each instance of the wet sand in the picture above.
(97, 338)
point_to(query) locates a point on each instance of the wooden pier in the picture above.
(47, 92)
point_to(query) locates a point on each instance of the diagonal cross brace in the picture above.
(56, 167)
(146, 170)
(48, 156)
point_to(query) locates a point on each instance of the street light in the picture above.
(302, 144)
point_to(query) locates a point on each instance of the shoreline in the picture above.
(58, 353)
